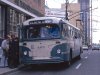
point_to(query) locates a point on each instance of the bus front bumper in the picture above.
(42, 61)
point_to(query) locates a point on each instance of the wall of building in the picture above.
(73, 13)
(12, 15)
(36, 5)
(0, 22)
(85, 17)
(2, 30)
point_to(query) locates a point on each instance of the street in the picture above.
(44, 32)
(88, 65)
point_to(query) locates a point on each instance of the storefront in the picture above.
(0, 20)
(2, 31)
(10, 16)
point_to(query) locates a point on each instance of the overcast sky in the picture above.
(56, 3)
(96, 25)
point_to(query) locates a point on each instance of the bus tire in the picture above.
(81, 50)
(79, 57)
(70, 58)
(71, 54)
(69, 63)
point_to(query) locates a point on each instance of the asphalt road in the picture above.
(88, 65)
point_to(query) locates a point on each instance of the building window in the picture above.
(37, 1)
(0, 22)
(18, 2)
(15, 18)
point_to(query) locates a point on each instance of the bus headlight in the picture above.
(58, 51)
(25, 52)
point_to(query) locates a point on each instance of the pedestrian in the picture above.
(16, 46)
(5, 48)
(13, 54)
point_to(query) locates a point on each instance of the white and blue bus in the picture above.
(49, 40)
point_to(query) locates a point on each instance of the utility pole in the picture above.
(91, 23)
(66, 13)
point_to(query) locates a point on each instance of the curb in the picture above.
(13, 70)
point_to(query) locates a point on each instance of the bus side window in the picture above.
(73, 32)
(64, 30)
(75, 36)
(69, 30)
(78, 34)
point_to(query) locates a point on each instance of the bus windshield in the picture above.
(41, 31)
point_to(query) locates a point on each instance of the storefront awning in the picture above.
(17, 8)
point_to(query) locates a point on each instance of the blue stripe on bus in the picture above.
(22, 56)
(63, 47)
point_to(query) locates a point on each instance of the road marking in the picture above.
(89, 52)
(86, 57)
(78, 66)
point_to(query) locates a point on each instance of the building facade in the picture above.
(85, 17)
(54, 12)
(14, 12)
(73, 14)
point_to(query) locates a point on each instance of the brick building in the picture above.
(13, 12)
(73, 14)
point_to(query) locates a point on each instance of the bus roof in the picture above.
(54, 20)
(70, 24)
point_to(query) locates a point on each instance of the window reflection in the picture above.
(41, 31)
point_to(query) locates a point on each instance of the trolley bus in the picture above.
(49, 40)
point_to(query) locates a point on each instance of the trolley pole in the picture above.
(66, 13)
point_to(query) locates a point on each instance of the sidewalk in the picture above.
(7, 70)
(4, 70)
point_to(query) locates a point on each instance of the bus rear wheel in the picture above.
(70, 57)
(79, 57)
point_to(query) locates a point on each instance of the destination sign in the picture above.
(40, 21)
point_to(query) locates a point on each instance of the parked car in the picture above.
(85, 47)
(95, 47)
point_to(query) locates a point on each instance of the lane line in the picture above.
(86, 57)
(78, 66)
(89, 52)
